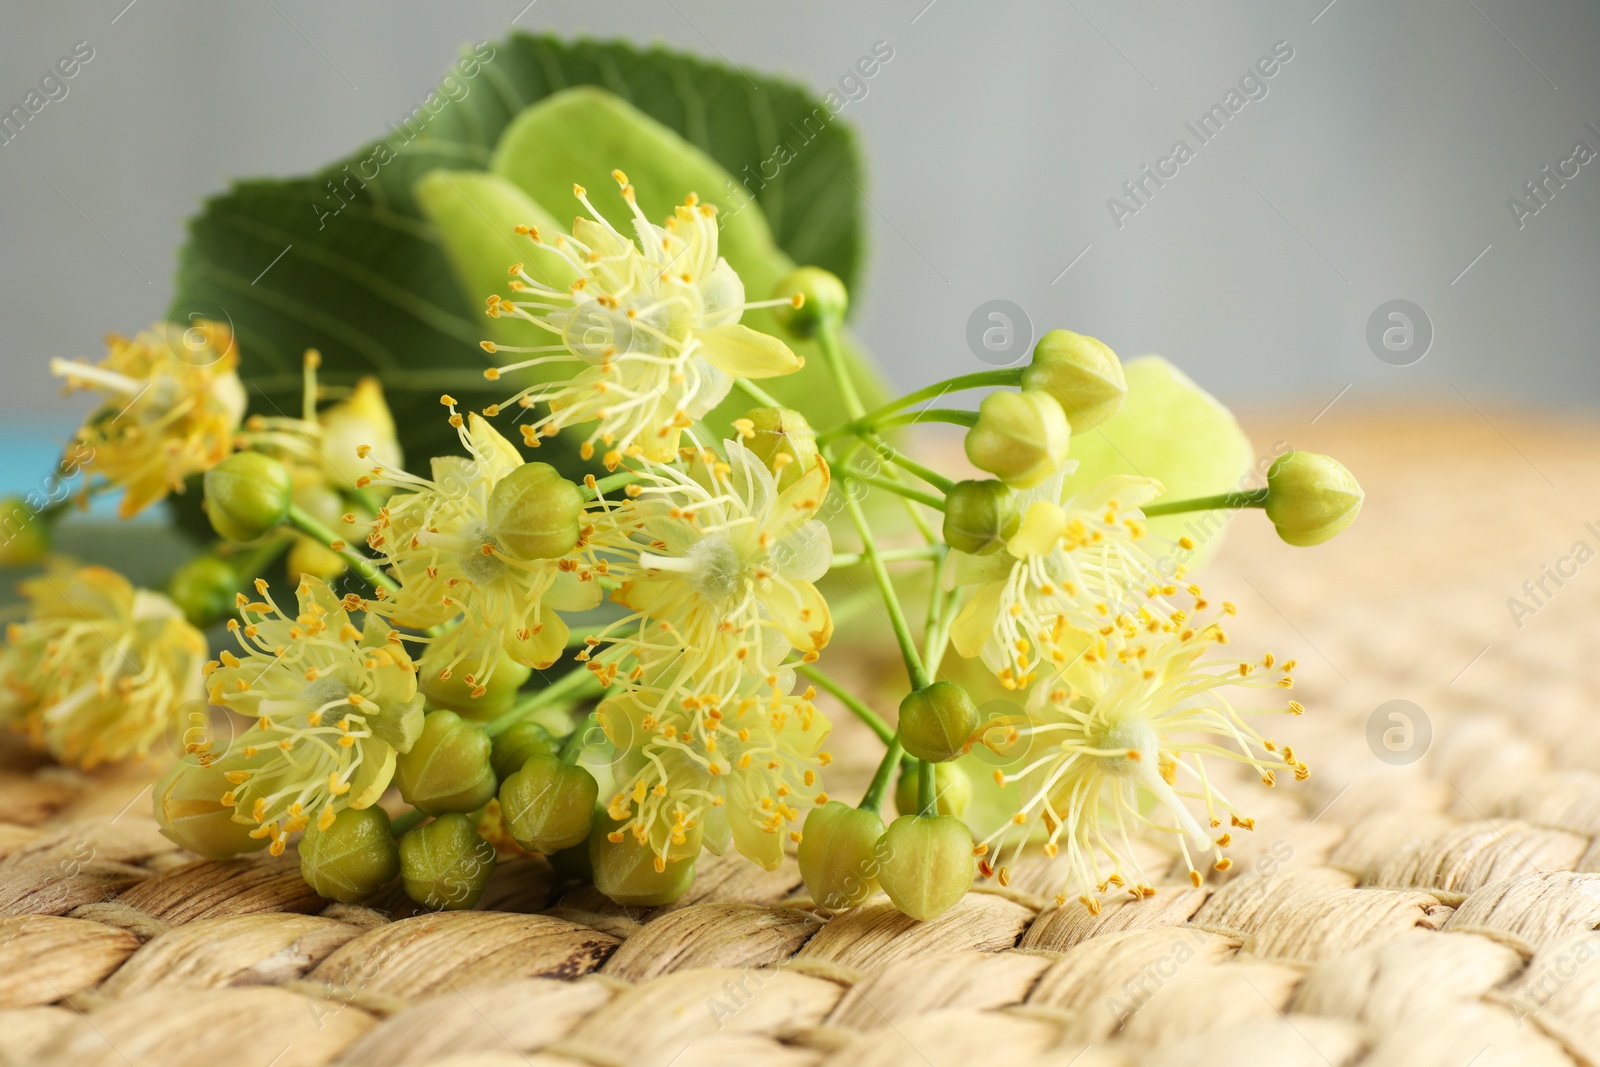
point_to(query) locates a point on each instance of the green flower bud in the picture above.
(837, 857)
(548, 805)
(189, 808)
(535, 513)
(980, 516)
(926, 864)
(1083, 375)
(1311, 497)
(314, 558)
(822, 299)
(24, 533)
(204, 589)
(783, 440)
(950, 784)
(511, 749)
(455, 692)
(936, 721)
(445, 864)
(631, 873)
(1022, 437)
(353, 858)
(448, 767)
(247, 495)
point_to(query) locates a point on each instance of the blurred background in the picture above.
(1383, 159)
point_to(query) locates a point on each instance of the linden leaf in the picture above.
(346, 261)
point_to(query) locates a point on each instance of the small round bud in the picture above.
(980, 516)
(204, 589)
(353, 858)
(189, 809)
(822, 299)
(926, 864)
(247, 495)
(445, 864)
(1311, 497)
(455, 692)
(1083, 375)
(1021, 436)
(950, 784)
(631, 873)
(535, 513)
(548, 805)
(837, 857)
(308, 557)
(784, 441)
(448, 767)
(511, 749)
(24, 533)
(936, 721)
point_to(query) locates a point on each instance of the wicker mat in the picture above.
(1391, 910)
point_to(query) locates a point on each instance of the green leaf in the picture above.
(475, 213)
(1171, 430)
(345, 261)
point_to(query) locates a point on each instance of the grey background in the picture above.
(1377, 168)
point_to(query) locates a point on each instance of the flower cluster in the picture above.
(730, 767)
(652, 322)
(99, 667)
(333, 705)
(460, 576)
(324, 452)
(172, 402)
(673, 578)
(1128, 723)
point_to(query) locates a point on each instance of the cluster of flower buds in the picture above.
(676, 588)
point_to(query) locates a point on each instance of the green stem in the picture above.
(572, 744)
(860, 710)
(928, 499)
(756, 393)
(960, 383)
(927, 790)
(891, 601)
(575, 684)
(957, 416)
(401, 823)
(828, 341)
(927, 474)
(359, 562)
(890, 555)
(872, 799)
(936, 605)
(1241, 498)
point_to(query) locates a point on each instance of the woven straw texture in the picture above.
(1439, 911)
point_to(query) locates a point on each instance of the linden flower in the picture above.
(435, 538)
(720, 767)
(718, 566)
(333, 706)
(1074, 566)
(1117, 743)
(332, 443)
(172, 402)
(653, 326)
(99, 666)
